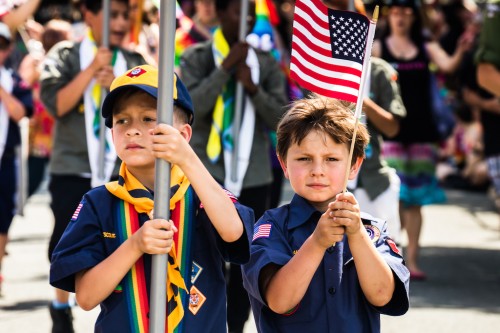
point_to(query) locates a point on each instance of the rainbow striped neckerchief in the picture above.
(137, 199)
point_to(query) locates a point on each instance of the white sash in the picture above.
(87, 54)
(7, 83)
(246, 132)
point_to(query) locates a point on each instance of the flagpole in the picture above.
(240, 95)
(158, 293)
(359, 102)
(102, 126)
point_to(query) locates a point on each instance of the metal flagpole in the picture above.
(351, 6)
(102, 126)
(359, 102)
(240, 95)
(158, 296)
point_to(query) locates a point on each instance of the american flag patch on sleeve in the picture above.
(261, 231)
(77, 212)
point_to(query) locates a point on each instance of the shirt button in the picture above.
(331, 290)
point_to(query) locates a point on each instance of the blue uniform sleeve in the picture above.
(80, 247)
(269, 246)
(237, 252)
(400, 302)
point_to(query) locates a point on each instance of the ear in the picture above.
(283, 167)
(186, 131)
(355, 168)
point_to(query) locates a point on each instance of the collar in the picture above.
(300, 211)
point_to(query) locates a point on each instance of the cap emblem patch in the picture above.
(136, 72)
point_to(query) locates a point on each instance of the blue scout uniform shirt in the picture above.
(88, 240)
(334, 301)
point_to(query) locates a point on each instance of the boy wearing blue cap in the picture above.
(104, 256)
(298, 281)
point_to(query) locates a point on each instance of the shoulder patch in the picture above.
(262, 231)
(77, 212)
(373, 232)
(393, 246)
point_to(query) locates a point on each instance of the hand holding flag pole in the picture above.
(359, 102)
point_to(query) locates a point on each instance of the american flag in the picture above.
(328, 49)
(77, 212)
(261, 231)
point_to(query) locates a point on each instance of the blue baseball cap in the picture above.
(145, 78)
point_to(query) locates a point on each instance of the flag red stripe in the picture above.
(324, 92)
(314, 47)
(325, 79)
(309, 27)
(334, 68)
(308, 8)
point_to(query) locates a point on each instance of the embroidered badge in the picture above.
(393, 246)
(196, 300)
(373, 232)
(108, 234)
(77, 212)
(136, 72)
(195, 272)
(262, 231)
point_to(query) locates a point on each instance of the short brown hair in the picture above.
(325, 115)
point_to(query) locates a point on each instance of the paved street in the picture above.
(461, 255)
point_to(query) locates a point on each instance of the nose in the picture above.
(133, 131)
(317, 168)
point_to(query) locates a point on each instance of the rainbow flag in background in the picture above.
(262, 36)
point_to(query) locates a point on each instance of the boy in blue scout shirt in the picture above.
(105, 253)
(298, 281)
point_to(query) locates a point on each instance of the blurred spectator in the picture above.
(197, 29)
(141, 38)
(413, 152)
(41, 122)
(488, 74)
(15, 13)
(377, 187)
(15, 103)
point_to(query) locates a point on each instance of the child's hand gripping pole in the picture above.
(361, 92)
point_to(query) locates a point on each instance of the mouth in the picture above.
(132, 146)
(317, 185)
(118, 34)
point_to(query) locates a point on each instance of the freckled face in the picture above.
(316, 168)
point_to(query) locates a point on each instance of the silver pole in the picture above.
(240, 95)
(158, 296)
(351, 6)
(102, 126)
